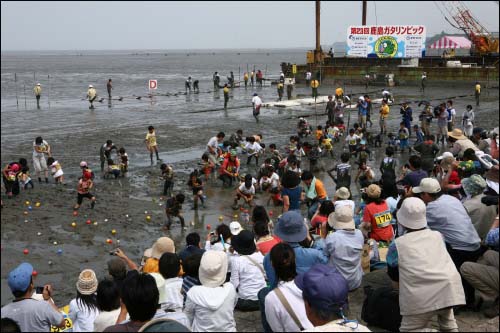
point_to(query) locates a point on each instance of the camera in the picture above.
(112, 253)
(39, 290)
(489, 200)
(212, 233)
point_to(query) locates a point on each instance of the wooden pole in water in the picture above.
(265, 74)
(25, 105)
(363, 18)
(15, 83)
(239, 77)
(48, 94)
(317, 53)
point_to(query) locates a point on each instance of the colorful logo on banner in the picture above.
(386, 47)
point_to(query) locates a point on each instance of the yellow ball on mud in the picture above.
(73, 224)
(27, 203)
(148, 217)
(113, 231)
(37, 204)
(221, 218)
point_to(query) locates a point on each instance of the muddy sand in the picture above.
(59, 251)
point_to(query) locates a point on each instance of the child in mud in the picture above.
(342, 170)
(207, 166)
(392, 142)
(404, 136)
(352, 140)
(123, 161)
(167, 174)
(246, 191)
(253, 149)
(151, 144)
(173, 207)
(389, 163)
(270, 182)
(24, 179)
(56, 170)
(197, 187)
(84, 166)
(365, 175)
(230, 168)
(83, 189)
(112, 169)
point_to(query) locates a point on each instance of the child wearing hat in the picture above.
(377, 216)
(246, 191)
(83, 309)
(210, 307)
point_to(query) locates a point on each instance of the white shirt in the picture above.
(106, 319)
(175, 299)
(253, 147)
(276, 314)
(346, 202)
(43, 146)
(274, 180)
(83, 319)
(213, 143)
(256, 101)
(246, 277)
(352, 139)
(247, 191)
(308, 75)
(453, 113)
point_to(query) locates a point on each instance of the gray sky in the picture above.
(49, 25)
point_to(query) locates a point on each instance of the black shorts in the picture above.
(81, 196)
(197, 189)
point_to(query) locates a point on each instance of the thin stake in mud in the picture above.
(15, 83)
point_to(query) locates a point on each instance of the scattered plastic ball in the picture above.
(73, 225)
(126, 215)
(162, 198)
(55, 243)
(113, 231)
(35, 273)
(95, 223)
(25, 213)
(27, 203)
(105, 220)
(75, 213)
(39, 233)
(242, 209)
(26, 251)
(88, 222)
(59, 251)
(209, 227)
(145, 212)
(235, 216)
(270, 213)
(50, 262)
(117, 241)
(25, 221)
(37, 204)
(192, 223)
(148, 217)
(30, 208)
(109, 241)
(221, 218)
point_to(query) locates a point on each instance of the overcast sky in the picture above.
(48, 25)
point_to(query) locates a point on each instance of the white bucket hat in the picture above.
(427, 185)
(341, 218)
(412, 213)
(91, 86)
(213, 268)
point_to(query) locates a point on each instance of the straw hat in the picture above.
(373, 191)
(87, 282)
(457, 134)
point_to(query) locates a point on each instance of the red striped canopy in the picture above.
(451, 42)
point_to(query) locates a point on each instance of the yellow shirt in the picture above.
(314, 83)
(91, 93)
(280, 85)
(151, 139)
(478, 88)
(37, 90)
(245, 77)
(384, 111)
(226, 90)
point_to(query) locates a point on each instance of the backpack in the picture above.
(381, 308)
(387, 166)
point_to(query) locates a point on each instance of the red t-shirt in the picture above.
(229, 165)
(318, 220)
(379, 216)
(454, 178)
(266, 246)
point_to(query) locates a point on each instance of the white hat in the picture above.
(162, 245)
(38, 84)
(91, 86)
(160, 284)
(213, 268)
(361, 98)
(235, 227)
(445, 155)
(343, 193)
(412, 213)
(427, 185)
(341, 218)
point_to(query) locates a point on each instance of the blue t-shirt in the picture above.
(293, 196)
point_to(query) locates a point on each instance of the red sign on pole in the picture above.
(153, 84)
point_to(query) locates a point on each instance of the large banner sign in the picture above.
(386, 41)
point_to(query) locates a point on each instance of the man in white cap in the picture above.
(429, 283)
(447, 215)
(91, 95)
(38, 93)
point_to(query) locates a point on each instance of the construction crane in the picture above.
(482, 40)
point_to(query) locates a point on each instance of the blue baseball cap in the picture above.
(323, 287)
(20, 278)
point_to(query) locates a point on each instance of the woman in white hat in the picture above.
(91, 95)
(210, 307)
(83, 309)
